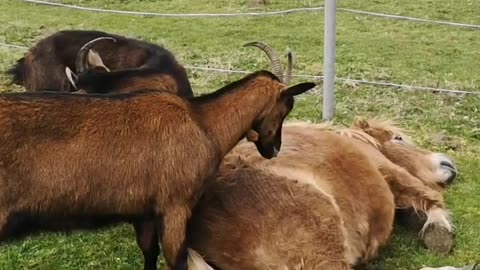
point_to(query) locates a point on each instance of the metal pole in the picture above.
(329, 59)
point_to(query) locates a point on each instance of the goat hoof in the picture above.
(438, 239)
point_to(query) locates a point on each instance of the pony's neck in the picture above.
(228, 115)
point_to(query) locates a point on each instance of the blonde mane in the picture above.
(358, 129)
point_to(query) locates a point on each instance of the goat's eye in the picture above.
(398, 138)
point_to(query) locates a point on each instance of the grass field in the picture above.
(367, 48)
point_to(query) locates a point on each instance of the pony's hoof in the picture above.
(438, 239)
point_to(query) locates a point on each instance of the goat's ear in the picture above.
(95, 60)
(298, 89)
(252, 135)
(72, 77)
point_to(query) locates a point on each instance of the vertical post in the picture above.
(329, 59)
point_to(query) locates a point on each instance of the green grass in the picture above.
(367, 48)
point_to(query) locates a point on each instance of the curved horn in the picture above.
(276, 65)
(290, 59)
(81, 60)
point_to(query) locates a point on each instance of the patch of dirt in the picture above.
(448, 142)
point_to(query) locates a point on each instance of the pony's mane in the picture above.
(350, 132)
(356, 130)
(241, 155)
(360, 135)
(388, 125)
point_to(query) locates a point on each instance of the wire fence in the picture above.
(277, 13)
(315, 77)
(240, 14)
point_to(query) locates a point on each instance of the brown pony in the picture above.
(326, 202)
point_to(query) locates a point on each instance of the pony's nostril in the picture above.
(453, 175)
(447, 164)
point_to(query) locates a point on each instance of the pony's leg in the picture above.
(147, 240)
(410, 219)
(411, 192)
(173, 231)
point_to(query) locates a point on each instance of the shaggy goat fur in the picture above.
(43, 67)
(70, 161)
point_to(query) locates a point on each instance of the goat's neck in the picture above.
(229, 116)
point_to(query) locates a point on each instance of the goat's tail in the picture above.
(17, 71)
(196, 262)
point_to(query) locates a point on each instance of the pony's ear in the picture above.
(379, 134)
(95, 60)
(298, 89)
(361, 123)
(72, 77)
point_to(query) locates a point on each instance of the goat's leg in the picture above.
(411, 192)
(173, 237)
(147, 240)
(3, 225)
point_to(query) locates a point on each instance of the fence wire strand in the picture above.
(399, 17)
(179, 15)
(314, 77)
(267, 13)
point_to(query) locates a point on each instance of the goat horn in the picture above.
(72, 77)
(81, 60)
(276, 65)
(288, 75)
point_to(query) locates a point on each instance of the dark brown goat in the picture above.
(68, 161)
(43, 67)
(101, 80)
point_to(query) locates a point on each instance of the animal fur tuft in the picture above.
(196, 262)
(16, 71)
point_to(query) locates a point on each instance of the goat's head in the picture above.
(267, 132)
(86, 57)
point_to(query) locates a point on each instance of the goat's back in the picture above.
(125, 53)
(99, 155)
(43, 67)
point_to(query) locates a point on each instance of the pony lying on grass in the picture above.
(326, 202)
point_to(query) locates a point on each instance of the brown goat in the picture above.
(43, 67)
(101, 80)
(323, 203)
(68, 161)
